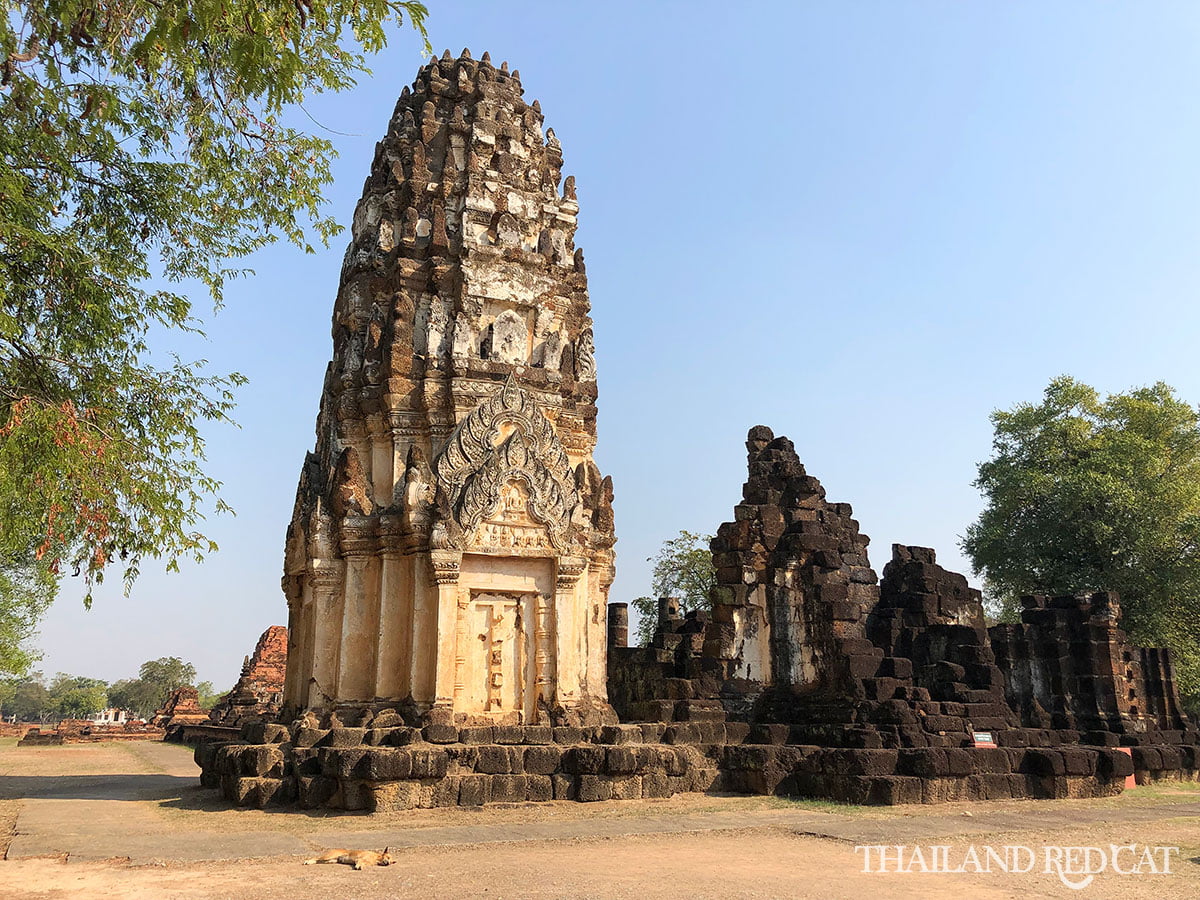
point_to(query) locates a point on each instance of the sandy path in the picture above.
(757, 864)
(140, 802)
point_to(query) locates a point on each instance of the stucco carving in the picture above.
(510, 339)
(549, 352)
(465, 337)
(507, 439)
(585, 359)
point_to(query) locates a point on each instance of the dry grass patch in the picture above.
(8, 823)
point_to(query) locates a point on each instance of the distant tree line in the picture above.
(36, 699)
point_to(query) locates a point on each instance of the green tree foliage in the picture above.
(647, 620)
(66, 697)
(8, 690)
(207, 695)
(143, 145)
(79, 703)
(31, 700)
(25, 592)
(168, 673)
(131, 694)
(683, 569)
(1086, 493)
(76, 697)
(156, 679)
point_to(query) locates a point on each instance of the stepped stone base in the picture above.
(380, 769)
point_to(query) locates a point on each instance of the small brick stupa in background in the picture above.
(258, 693)
(182, 707)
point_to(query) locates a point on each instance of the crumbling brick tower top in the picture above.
(451, 502)
(259, 691)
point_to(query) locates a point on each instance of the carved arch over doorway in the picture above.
(506, 439)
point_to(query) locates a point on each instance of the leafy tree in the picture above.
(76, 697)
(167, 672)
(31, 700)
(156, 679)
(1086, 493)
(647, 619)
(25, 593)
(131, 694)
(683, 569)
(64, 682)
(207, 695)
(79, 703)
(8, 690)
(142, 145)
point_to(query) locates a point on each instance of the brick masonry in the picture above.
(258, 693)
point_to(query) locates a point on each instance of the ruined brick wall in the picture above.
(1070, 667)
(800, 635)
(1159, 691)
(933, 618)
(181, 706)
(672, 680)
(789, 640)
(794, 580)
(81, 731)
(787, 627)
(258, 693)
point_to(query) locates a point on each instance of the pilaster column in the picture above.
(360, 614)
(394, 641)
(446, 565)
(568, 623)
(299, 597)
(543, 648)
(461, 604)
(325, 577)
(389, 652)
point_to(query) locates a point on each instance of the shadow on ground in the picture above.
(194, 797)
(94, 787)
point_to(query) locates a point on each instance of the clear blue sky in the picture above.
(866, 225)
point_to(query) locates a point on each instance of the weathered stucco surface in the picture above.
(452, 538)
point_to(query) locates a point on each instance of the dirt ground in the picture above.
(65, 809)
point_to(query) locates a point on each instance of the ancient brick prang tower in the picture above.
(452, 538)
